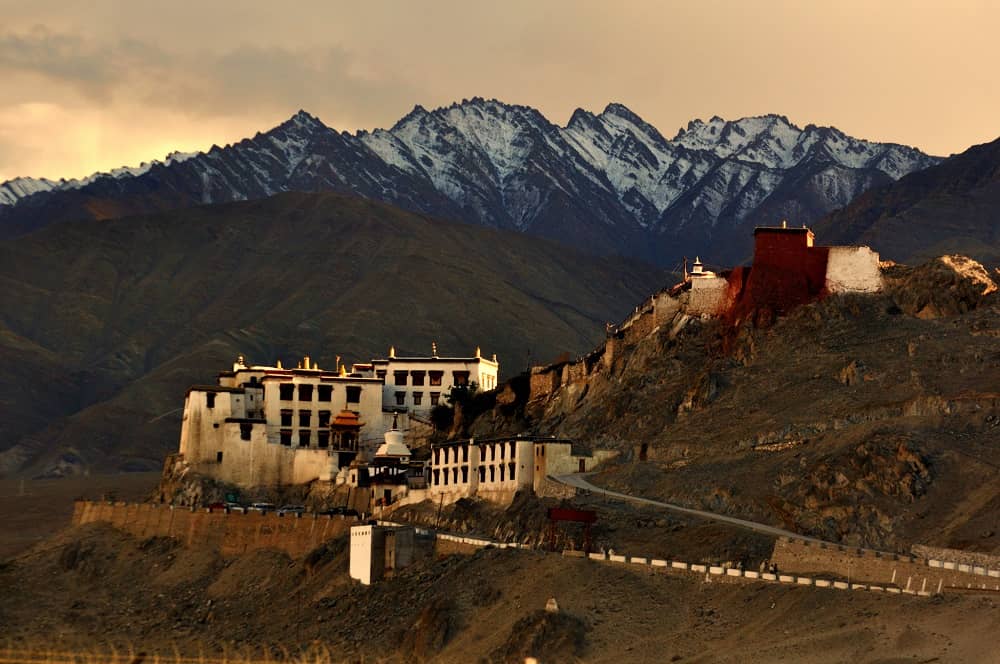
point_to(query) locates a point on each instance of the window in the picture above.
(286, 438)
(461, 377)
(501, 472)
(482, 473)
(287, 391)
(437, 456)
(380, 374)
(253, 380)
(286, 418)
(324, 439)
(435, 377)
(324, 392)
(513, 450)
(324, 418)
(465, 474)
(512, 466)
(418, 398)
(434, 398)
(399, 377)
(465, 453)
(353, 394)
(246, 429)
(418, 377)
(304, 417)
(400, 398)
(437, 477)
(303, 439)
(305, 392)
(218, 457)
(210, 399)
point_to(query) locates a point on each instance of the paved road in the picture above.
(578, 480)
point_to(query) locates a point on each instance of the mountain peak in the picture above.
(624, 112)
(304, 121)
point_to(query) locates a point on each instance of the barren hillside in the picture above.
(869, 419)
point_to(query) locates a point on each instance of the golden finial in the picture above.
(392, 351)
(479, 352)
(343, 371)
(434, 349)
(279, 364)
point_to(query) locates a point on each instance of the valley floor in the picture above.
(96, 586)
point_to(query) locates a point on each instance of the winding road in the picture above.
(578, 481)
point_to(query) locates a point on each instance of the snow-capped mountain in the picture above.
(608, 182)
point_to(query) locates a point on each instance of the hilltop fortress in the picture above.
(788, 270)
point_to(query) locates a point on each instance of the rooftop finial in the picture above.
(392, 351)
(784, 223)
(434, 349)
(279, 365)
(479, 352)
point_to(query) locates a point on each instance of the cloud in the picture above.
(242, 79)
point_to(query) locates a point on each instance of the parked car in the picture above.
(291, 509)
(236, 507)
(261, 507)
(217, 507)
(339, 511)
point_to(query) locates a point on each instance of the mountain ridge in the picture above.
(105, 323)
(608, 182)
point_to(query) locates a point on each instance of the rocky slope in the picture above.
(866, 419)
(949, 208)
(607, 182)
(94, 588)
(105, 324)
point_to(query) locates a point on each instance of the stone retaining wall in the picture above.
(869, 566)
(230, 533)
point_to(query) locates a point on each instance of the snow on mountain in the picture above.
(14, 190)
(607, 181)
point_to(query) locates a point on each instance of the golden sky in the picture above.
(94, 85)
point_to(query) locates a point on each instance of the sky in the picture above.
(101, 84)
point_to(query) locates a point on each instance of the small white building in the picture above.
(379, 550)
(497, 468)
(417, 384)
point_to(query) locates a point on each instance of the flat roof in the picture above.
(214, 388)
(781, 229)
(434, 359)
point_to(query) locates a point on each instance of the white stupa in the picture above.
(393, 447)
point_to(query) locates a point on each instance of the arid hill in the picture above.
(868, 419)
(105, 324)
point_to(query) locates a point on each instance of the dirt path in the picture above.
(578, 480)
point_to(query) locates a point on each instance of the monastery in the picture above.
(268, 425)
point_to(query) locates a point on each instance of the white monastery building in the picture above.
(268, 425)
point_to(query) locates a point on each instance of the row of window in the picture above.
(501, 472)
(323, 392)
(418, 398)
(417, 377)
(305, 418)
(305, 438)
(490, 452)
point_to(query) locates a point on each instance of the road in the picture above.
(578, 480)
